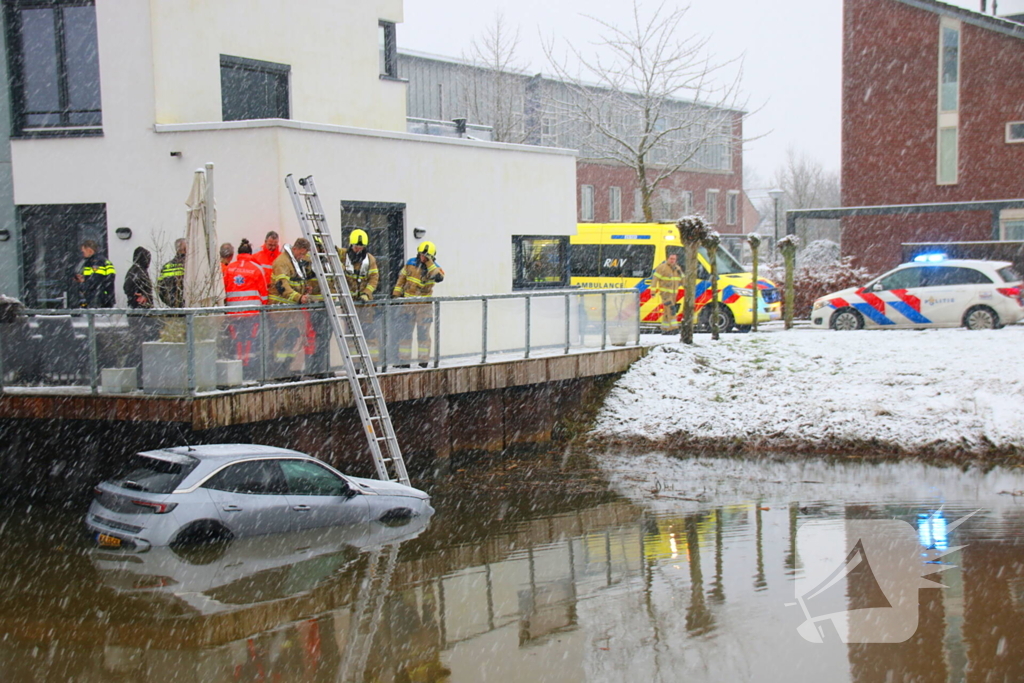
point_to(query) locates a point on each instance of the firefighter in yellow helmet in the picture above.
(668, 278)
(360, 266)
(417, 279)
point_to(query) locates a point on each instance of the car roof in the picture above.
(971, 263)
(218, 451)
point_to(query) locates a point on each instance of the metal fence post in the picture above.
(190, 350)
(437, 334)
(93, 354)
(264, 345)
(483, 341)
(384, 337)
(568, 326)
(528, 300)
(2, 358)
(604, 320)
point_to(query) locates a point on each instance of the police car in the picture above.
(931, 291)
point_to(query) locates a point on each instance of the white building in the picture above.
(117, 102)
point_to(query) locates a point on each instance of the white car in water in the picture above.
(931, 291)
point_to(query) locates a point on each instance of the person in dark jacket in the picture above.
(95, 278)
(138, 287)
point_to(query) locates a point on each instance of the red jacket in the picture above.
(244, 283)
(265, 260)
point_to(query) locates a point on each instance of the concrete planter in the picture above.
(119, 380)
(165, 367)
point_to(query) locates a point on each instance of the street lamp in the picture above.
(776, 195)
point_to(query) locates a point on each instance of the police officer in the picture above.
(170, 283)
(95, 277)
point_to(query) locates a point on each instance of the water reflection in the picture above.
(582, 589)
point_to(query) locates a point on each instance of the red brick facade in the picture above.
(603, 176)
(890, 123)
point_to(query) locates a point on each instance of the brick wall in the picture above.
(889, 130)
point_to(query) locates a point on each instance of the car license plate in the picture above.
(105, 541)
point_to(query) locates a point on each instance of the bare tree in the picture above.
(807, 184)
(649, 99)
(493, 82)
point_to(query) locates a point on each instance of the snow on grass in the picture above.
(903, 389)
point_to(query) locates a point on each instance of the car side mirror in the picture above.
(350, 492)
(877, 287)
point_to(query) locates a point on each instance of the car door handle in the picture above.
(301, 508)
(232, 508)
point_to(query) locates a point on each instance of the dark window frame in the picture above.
(16, 62)
(519, 283)
(274, 69)
(390, 66)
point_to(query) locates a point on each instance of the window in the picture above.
(638, 206)
(1015, 131)
(307, 478)
(251, 89)
(585, 260)
(711, 207)
(665, 205)
(686, 199)
(540, 261)
(261, 477)
(1009, 274)
(154, 475)
(732, 208)
(902, 279)
(947, 156)
(949, 65)
(680, 252)
(51, 235)
(949, 276)
(388, 49)
(586, 202)
(614, 204)
(55, 68)
(627, 260)
(1012, 230)
(385, 224)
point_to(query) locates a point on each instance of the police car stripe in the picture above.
(869, 311)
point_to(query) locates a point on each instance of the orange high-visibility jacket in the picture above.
(244, 283)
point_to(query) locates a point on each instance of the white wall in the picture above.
(471, 196)
(331, 46)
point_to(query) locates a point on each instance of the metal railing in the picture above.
(183, 352)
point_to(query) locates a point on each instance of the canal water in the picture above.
(656, 569)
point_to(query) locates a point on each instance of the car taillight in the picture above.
(1012, 292)
(155, 508)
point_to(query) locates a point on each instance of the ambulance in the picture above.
(624, 255)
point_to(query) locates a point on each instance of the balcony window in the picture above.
(387, 49)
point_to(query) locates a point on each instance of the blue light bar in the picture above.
(929, 258)
(631, 237)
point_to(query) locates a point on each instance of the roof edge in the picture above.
(986, 21)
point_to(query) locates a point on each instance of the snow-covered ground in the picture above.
(930, 391)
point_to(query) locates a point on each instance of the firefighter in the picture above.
(95, 277)
(266, 256)
(244, 285)
(417, 279)
(170, 283)
(668, 278)
(292, 282)
(360, 266)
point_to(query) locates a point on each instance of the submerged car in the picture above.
(193, 494)
(931, 292)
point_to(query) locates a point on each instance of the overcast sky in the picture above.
(791, 51)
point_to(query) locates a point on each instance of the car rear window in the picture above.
(144, 473)
(1009, 274)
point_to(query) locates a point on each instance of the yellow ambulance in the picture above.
(624, 255)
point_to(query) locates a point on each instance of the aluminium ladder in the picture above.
(367, 612)
(348, 332)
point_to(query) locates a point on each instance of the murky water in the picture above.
(707, 579)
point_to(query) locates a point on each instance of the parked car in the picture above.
(190, 494)
(928, 292)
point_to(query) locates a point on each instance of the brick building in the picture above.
(933, 111)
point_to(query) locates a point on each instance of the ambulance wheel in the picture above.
(847, 319)
(981, 318)
(724, 317)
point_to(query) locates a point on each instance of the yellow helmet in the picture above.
(427, 248)
(358, 237)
